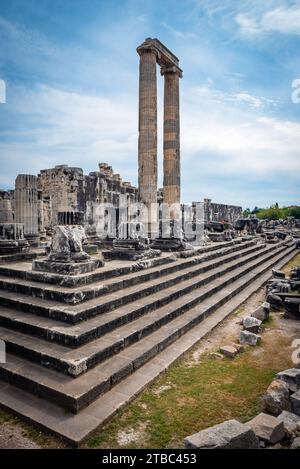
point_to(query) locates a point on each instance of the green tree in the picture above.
(294, 212)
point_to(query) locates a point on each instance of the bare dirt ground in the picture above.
(12, 437)
(228, 331)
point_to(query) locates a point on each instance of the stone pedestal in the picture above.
(26, 206)
(130, 250)
(170, 244)
(67, 268)
(67, 255)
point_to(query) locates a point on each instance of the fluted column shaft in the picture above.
(26, 200)
(171, 137)
(147, 146)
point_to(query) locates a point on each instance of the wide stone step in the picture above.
(75, 362)
(79, 294)
(78, 334)
(75, 428)
(75, 394)
(23, 270)
(111, 301)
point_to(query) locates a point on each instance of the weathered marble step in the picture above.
(78, 334)
(74, 428)
(75, 394)
(22, 270)
(79, 295)
(75, 362)
(75, 313)
(88, 330)
(79, 360)
(22, 256)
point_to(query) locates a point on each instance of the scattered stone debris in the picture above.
(240, 348)
(291, 377)
(275, 301)
(216, 356)
(228, 351)
(262, 312)
(278, 273)
(252, 324)
(296, 443)
(249, 338)
(267, 428)
(295, 402)
(290, 421)
(282, 291)
(276, 399)
(230, 434)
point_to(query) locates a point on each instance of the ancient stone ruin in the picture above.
(153, 52)
(66, 256)
(85, 335)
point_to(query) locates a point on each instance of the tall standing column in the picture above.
(26, 206)
(147, 146)
(171, 145)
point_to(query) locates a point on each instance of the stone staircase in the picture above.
(79, 348)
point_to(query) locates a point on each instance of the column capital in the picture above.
(142, 49)
(171, 69)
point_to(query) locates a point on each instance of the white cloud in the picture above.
(240, 140)
(241, 97)
(178, 33)
(283, 19)
(222, 134)
(248, 25)
(71, 128)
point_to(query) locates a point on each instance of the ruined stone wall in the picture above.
(105, 187)
(221, 212)
(64, 187)
(67, 189)
(6, 207)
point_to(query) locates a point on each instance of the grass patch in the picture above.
(238, 311)
(270, 322)
(294, 262)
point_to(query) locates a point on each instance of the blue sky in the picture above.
(71, 74)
